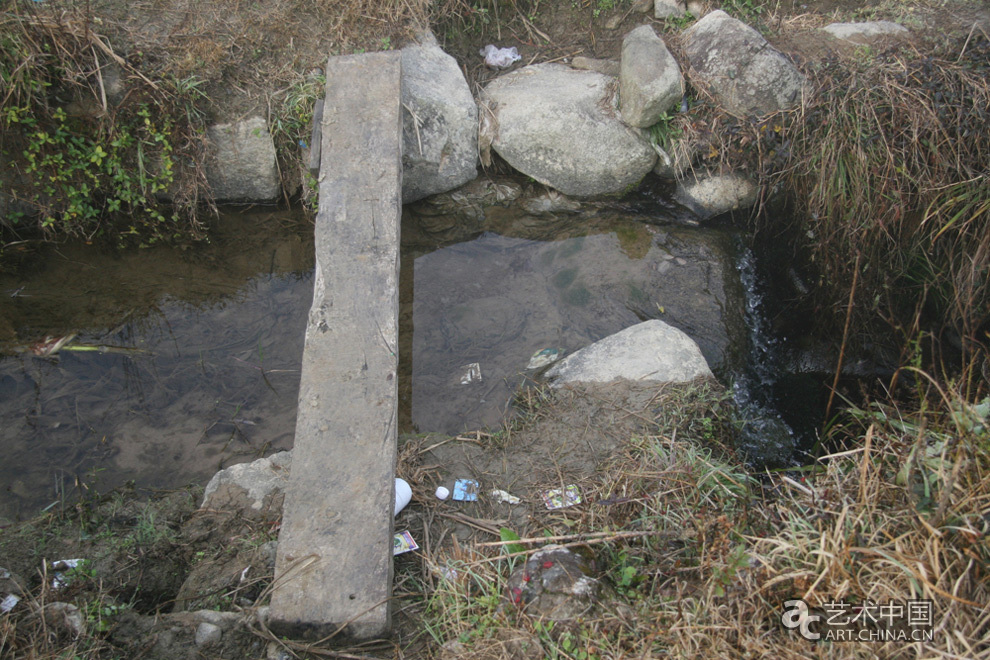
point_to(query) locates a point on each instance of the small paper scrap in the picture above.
(562, 498)
(466, 490)
(472, 373)
(8, 603)
(403, 542)
(542, 358)
(505, 497)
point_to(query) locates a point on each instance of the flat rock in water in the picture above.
(648, 351)
(498, 300)
(709, 196)
(538, 113)
(745, 73)
(439, 122)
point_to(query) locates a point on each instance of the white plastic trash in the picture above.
(442, 493)
(403, 493)
(499, 58)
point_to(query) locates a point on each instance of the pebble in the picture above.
(208, 634)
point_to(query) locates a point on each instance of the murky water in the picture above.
(199, 367)
(496, 300)
(191, 358)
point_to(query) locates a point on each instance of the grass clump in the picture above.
(884, 169)
(890, 164)
(886, 165)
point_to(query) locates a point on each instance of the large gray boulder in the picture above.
(650, 82)
(439, 122)
(739, 67)
(561, 127)
(867, 32)
(708, 196)
(648, 351)
(244, 168)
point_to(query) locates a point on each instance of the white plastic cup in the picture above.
(403, 494)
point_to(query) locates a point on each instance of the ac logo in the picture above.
(798, 615)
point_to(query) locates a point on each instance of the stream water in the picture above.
(183, 362)
(200, 365)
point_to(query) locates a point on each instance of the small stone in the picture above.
(668, 9)
(244, 169)
(604, 67)
(261, 615)
(745, 74)
(221, 619)
(648, 351)
(642, 6)
(710, 196)
(208, 634)
(67, 617)
(276, 651)
(555, 584)
(245, 486)
(867, 32)
(268, 552)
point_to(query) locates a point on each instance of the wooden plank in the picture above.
(334, 561)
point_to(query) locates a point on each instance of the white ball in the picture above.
(403, 493)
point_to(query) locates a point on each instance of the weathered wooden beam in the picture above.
(334, 563)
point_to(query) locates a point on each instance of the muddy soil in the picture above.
(159, 572)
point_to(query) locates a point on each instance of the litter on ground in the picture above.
(466, 490)
(499, 58)
(561, 498)
(403, 542)
(505, 497)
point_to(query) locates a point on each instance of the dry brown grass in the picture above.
(886, 165)
(702, 556)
